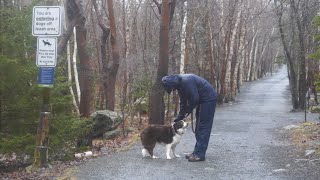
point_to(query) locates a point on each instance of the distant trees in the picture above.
(227, 42)
(295, 29)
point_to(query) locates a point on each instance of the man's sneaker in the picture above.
(195, 158)
(189, 155)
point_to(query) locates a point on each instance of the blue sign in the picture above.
(45, 76)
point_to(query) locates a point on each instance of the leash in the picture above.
(197, 119)
(192, 124)
(185, 116)
(193, 130)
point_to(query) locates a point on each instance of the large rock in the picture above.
(102, 121)
(141, 106)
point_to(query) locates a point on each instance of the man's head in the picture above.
(170, 83)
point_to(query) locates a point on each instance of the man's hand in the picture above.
(177, 119)
(189, 108)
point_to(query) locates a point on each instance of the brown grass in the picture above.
(307, 136)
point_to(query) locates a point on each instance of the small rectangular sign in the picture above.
(47, 21)
(45, 76)
(46, 52)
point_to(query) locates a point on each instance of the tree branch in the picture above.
(103, 27)
(73, 12)
(158, 5)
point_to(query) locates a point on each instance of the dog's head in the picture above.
(180, 127)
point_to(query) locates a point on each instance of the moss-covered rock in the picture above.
(102, 121)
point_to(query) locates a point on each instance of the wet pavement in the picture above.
(247, 142)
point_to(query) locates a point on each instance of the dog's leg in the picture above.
(174, 151)
(168, 150)
(150, 151)
(153, 156)
(145, 153)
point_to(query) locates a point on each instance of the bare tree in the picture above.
(292, 71)
(85, 75)
(113, 64)
(156, 108)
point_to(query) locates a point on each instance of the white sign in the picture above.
(47, 21)
(46, 51)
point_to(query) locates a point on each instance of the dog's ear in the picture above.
(178, 124)
(174, 126)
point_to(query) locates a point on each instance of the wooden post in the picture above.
(42, 138)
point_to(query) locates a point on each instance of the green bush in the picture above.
(17, 144)
(21, 98)
(64, 132)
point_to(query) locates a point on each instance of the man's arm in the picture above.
(183, 106)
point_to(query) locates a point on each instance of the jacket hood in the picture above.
(170, 82)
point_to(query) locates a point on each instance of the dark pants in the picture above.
(205, 114)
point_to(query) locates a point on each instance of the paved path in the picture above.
(247, 142)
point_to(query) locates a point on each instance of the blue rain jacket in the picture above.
(193, 90)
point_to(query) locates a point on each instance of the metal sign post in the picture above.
(46, 23)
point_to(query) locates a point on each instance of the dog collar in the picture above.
(180, 133)
(176, 132)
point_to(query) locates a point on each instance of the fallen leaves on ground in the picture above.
(307, 136)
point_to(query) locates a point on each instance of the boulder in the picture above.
(117, 132)
(112, 134)
(141, 106)
(102, 122)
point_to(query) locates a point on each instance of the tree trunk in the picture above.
(85, 69)
(104, 60)
(72, 11)
(183, 37)
(301, 56)
(113, 65)
(235, 39)
(188, 41)
(125, 72)
(227, 54)
(74, 101)
(292, 74)
(252, 57)
(243, 56)
(205, 45)
(157, 106)
(75, 69)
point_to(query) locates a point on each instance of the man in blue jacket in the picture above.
(194, 91)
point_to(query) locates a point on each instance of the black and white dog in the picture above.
(163, 134)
